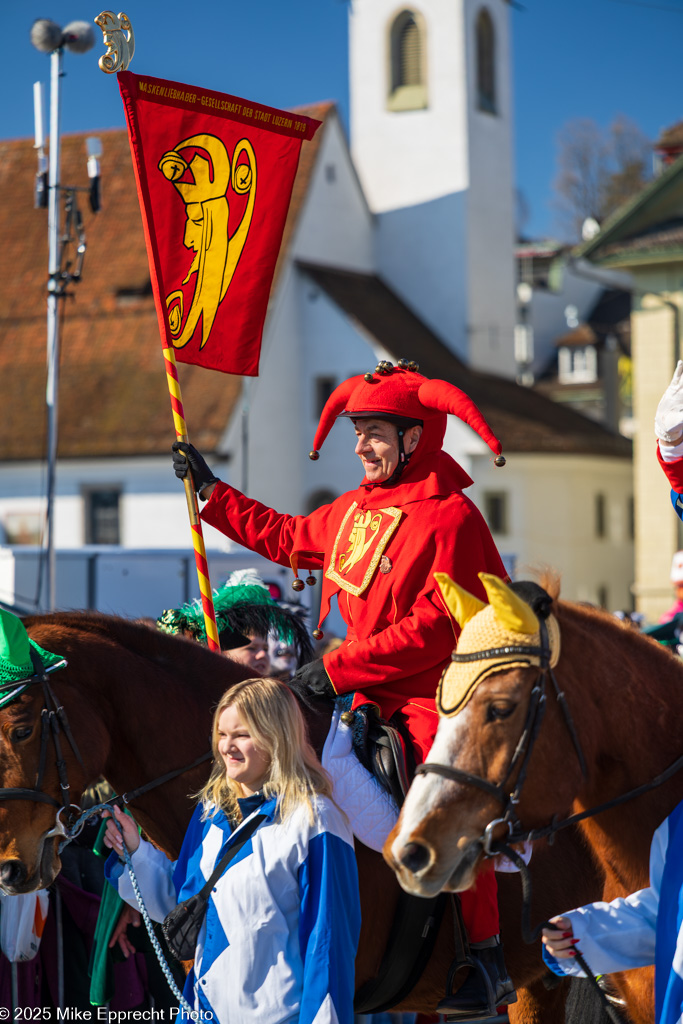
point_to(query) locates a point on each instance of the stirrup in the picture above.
(491, 1010)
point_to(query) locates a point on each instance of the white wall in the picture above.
(335, 225)
(422, 254)
(491, 270)
(552, 520)
(153, 510)
(440, 179)
(408, 157)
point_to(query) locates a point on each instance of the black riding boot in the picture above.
(486, 987)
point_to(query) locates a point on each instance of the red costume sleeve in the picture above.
(265, 531)
(673, 471)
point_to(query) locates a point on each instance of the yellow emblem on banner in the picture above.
(206, 226)
(359, 546)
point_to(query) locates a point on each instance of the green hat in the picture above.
(243, 605)
(16, 665)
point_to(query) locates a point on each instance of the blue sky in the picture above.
(571, 58)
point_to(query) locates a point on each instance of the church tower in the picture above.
(431, 139)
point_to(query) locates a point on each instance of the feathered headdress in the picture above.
(243, 606)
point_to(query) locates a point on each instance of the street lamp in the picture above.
(48, 37)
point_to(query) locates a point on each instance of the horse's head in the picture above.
(491, 700)
(28, 855)
(42, 771)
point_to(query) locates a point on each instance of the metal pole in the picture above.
(52, 317)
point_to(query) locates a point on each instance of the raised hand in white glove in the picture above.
(669, 415)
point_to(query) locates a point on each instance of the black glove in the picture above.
(315, 679)
(186, 459)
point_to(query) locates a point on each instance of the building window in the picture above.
(319, 498)
(407, 78)
(324, 386)
(600, 516)
(21, 528)
(102, 516)
(496, 511)
(486, 63)
(577, 365)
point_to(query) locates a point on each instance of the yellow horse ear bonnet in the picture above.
(504, 634)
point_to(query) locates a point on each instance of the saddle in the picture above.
(385, 749)
(382, 747)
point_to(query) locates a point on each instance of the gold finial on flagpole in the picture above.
(120, 47)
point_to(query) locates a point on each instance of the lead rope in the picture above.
(97, 809)
(530, 935)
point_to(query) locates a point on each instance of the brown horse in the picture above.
(139, 704)
(625, 696)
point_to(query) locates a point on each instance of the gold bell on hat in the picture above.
(317, 634)
(499, 461)
(368, 378)
(298, 584)
(311, 580)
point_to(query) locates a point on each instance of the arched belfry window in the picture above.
(486, 62)
(407, 59)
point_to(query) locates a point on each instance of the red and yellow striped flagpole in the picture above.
(192, 506)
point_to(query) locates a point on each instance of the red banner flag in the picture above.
(214, 176)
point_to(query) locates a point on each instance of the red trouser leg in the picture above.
(480, 903)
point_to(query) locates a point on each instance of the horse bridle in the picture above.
(53, 722)
(70, 818)
(525, 745)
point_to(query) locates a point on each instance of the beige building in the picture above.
(645, 237)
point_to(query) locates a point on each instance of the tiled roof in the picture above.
(671, 137)
(524, 420)
(662, 238)
(113, 398)
(579, 337)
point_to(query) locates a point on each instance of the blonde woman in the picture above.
(279, 938)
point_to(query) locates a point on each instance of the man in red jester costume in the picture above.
(379, 547)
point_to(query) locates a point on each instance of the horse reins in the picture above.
(509, 801)
(54, 722)
(525, 745)
(536, 710)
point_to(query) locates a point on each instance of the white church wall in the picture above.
(273, 473)
(333, 347)
(422, 254)
(411, 156)
(491, 311)
(335, 225)
(441, 178)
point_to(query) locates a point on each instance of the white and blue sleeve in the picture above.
(620, 935)
(329, 926)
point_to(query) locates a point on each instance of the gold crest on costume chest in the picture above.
(359, 547)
